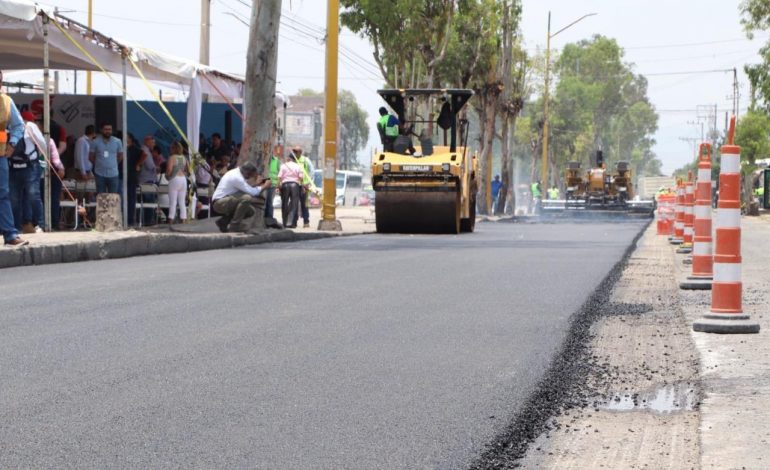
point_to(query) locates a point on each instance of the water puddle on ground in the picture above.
(666, 399)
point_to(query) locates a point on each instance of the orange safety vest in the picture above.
(5, 116)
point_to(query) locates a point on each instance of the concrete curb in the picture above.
(144, 244)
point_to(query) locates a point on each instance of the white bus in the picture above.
(349, 185)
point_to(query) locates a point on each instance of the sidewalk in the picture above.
(67, 247)
(735, 369)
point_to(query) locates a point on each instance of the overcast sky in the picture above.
(660, 37)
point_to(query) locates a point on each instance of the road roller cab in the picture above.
(427, 183)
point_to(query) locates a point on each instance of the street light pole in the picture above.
(544, 168)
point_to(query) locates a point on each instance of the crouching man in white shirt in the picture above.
(235, 195)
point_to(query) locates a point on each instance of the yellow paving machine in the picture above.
(599, 189)
(430, 187)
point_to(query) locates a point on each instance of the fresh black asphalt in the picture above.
(358, 352)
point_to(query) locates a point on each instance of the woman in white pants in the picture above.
(176, 168)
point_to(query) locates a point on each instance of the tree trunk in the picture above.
(506, 76)
(261, 66)
(505, 157)
(489, 100)
(536, 157)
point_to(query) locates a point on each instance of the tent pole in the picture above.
(46, 125)
(125, 145)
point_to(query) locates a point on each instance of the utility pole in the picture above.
(90, 25)
(205, 45)
(544, 168)
(261, 70)
(329, 218)
(544, 163)
(736, 93)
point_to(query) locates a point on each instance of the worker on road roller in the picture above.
(388, 129)
(429, 188)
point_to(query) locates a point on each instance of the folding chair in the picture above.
(205, 192)
(163, 202)
(145, 202)
(66, 203)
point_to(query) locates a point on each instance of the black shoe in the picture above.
(17, 242)
(222, 224)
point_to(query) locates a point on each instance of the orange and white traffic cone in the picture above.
(678, 237)
(702, 258)
(689, 205)
(726, 315)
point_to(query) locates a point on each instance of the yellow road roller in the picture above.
(424, 179)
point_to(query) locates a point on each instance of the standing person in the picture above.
(24, 171)
(537, 196)
(388, 129)
(57, 174)
(234, 196)
(273, 168)
(218, 148)
(290, 177)
(136, 158)
(148, 174)
(11, 131)
(553, 193)
(148, 163)
(57, 133)
(68, 157)
(307, 179)
(157, 156)
(176, 171)
(83, 165)
(106, 154)
(149, 146)
(495, 187)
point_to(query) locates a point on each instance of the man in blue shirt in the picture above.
(496, 185)
(106, 154)
(11, 132)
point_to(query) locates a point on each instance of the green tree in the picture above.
(409, 38)
(354, 131)
(599, 102)
(756, 17)
(447, 43)
(751, 133)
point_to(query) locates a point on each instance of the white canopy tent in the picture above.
(29, 39)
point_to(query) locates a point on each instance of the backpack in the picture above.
(19, 159)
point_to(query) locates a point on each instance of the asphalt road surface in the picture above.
(360, 352)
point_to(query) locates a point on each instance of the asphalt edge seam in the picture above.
(551, 392)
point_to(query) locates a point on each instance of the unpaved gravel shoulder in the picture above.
(641, 395)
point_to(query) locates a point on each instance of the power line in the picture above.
(685, 72)
(312, 32)
(691, 44)
(132, 20)
(680, 59)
